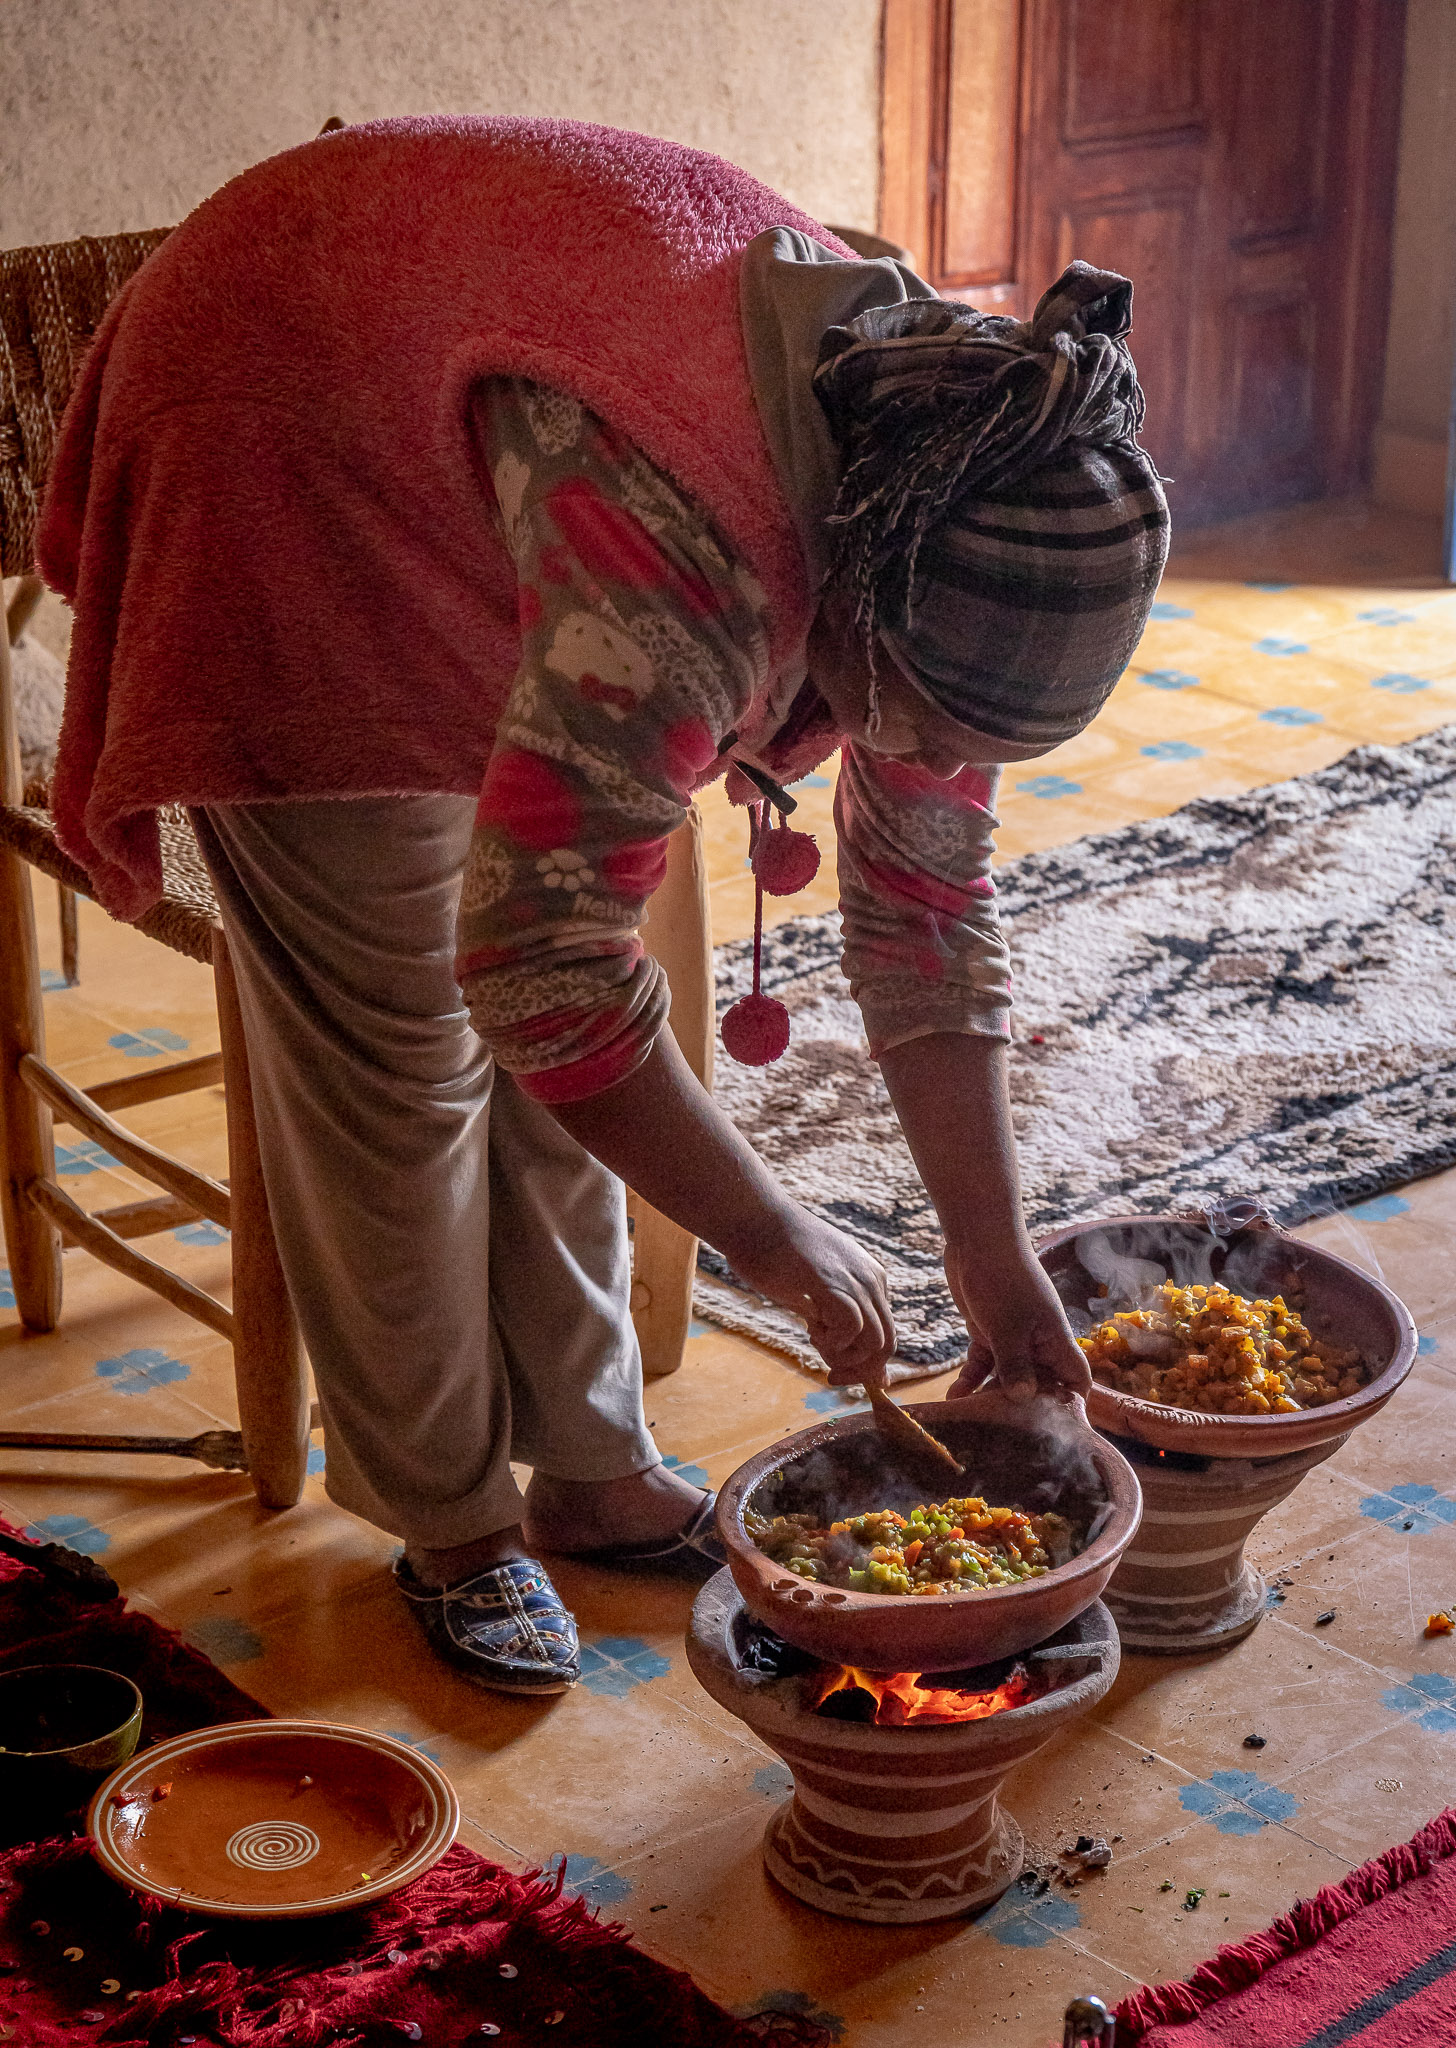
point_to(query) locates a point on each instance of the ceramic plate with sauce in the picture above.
(273, 1820)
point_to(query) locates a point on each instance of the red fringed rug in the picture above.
(1370, 1963)
(466, 1954)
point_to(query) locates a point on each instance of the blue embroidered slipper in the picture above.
(504, 1628)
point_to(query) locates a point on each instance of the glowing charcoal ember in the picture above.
(901, 1698)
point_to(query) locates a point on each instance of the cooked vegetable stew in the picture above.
(955, 1546)
(1213, 1350)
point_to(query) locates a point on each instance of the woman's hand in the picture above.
(806, 1265)
(1019, 1331)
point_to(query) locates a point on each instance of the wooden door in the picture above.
(1235, 158)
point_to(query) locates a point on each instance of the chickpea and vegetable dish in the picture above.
(956, 1546)
(1210, 1349)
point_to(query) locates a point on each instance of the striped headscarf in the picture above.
(997, 528)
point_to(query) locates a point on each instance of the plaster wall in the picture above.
(120, 114)
(1412, 438)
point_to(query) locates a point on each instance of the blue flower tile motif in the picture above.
(1163, 610)
(413, 1742)
(202, 1233)
(142, 1370)
(1237, 1802)
(1049, 786)
(1291, 714)
(1425, 1345)
(833, 1401)
(1428, 1699)
(694, 1474)
(796, 2005)
(591, 1880)
(1423, 1507)
(87, 1157)
(1400, 685)
(51, 980)
(613, 1665)
(224, 1638)
(315, 1463)
(811, 782)
(72, 1530)
(145, 1045)
(1021, 1918)
(774, 1781)
(7, 1291)
(1385, 615)
(697, 1329)
(1173, 750)
(1169, 679)
(1380, 1208)
(1276, 643)
(1272, 588)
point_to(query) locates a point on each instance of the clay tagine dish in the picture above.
(1033, 1455)
(1183, 1584)
(273, 1820)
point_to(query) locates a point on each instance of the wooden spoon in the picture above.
(906, 1434)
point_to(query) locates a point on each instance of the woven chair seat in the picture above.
(51, 302)
(187, 913)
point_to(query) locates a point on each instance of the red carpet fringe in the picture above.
(1242, 1963)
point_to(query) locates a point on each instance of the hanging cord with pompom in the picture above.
(755, 1031)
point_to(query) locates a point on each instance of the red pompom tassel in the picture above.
(785, 861)
(756, 1030)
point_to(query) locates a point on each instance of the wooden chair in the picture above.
(51, 301)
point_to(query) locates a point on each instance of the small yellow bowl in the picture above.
(62, 1728)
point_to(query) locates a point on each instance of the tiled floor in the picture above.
(1277, 644)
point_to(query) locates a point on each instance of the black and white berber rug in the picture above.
(1255, 996)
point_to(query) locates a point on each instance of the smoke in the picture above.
(1122, 1266)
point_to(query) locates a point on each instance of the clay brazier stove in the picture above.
(901, 1822)
(894, 1824)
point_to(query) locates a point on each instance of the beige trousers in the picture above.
(459, 1265)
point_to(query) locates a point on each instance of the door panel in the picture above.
(1129, 69)
(1235, 158)
(979, 244)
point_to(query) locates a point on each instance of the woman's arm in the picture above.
(951, 1096)
(665, 1136)
(929, 967)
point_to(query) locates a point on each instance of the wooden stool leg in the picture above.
(27, 1150)
(70, 936)
(678, 933)
(272, 1379)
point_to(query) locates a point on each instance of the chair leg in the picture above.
(27, 1149)
(70, 936)
(678, 933)
(272, 1378)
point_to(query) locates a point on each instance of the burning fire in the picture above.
(900, 1698)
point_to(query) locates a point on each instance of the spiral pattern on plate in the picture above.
(273, 1845)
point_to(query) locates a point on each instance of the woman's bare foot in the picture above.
(567, 1515)
(464, 1560)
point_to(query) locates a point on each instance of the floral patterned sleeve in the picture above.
(923, 948)
(642, 644)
